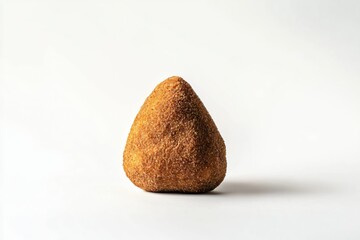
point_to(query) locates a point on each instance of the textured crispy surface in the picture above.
(174, 145)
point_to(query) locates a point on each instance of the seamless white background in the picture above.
(280, 78)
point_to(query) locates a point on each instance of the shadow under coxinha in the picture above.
(244, 188)
(259, 188)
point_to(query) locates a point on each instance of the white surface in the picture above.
(280, 78)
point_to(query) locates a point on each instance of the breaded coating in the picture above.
(173, 144)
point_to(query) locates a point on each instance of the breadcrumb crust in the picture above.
(173, 144)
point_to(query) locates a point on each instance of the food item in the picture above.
(174, 145)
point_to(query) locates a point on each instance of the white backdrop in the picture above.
(280, 78)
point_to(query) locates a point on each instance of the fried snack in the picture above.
(174, 145)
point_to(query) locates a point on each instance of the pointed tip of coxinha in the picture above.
(174, 79)
(174, 145)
